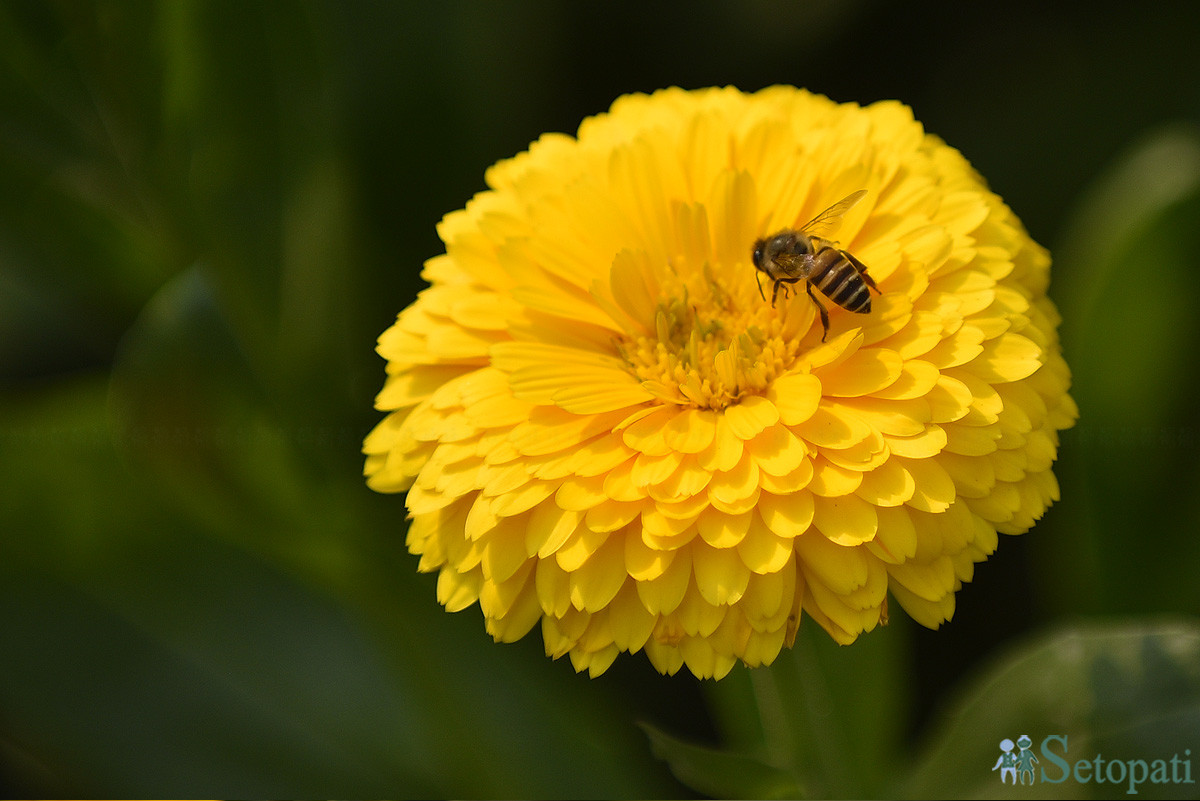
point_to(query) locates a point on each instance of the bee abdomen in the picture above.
(841, 282)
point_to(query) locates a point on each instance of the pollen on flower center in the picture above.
(708, 353)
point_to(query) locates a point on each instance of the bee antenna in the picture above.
(758, 280)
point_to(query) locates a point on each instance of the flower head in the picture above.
(603, 427)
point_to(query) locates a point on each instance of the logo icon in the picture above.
(1007, 763)
(1017, 759)
(1018, 765)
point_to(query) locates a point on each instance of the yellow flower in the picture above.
(603, 427)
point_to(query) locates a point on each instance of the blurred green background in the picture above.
(209, 211)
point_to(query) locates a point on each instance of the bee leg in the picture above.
(862, 270)
(821, 309)
(779, 284)
(870, 281)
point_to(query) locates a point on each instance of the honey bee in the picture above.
(804, 255)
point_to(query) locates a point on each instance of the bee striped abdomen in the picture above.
(840, 280)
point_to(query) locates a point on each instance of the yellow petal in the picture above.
(949, 400)
(901, 418)
(662, 595)
(597, 581)
(928, 580)
(868, 454)
(643, 562)
(778, 451)
(546, 374)
(553, 590)
(789, 483)
(629, 622)
(579, 547)
(846, 520)
(522, 613)
(691, 431)
(523, 498)
(736, 486)
(1000, 505)
(934, 490)
(787, 515)
(973, 477)
(619, 486)
(558, 301)
(916, 378)
(734, 215)
(457, 591)
(721, 576)
(697, 616)
(647, 470)
(415, 385)
(646, 433)
(685, 508)
(958, 348)
(930, 614)
(683, 485)
(550, 430)
(795, 396)
(886, 485)
(842, 570)
(1008, 357)
(661, 526)
(929, 442)
(769, 596)
(580, 494)
(612, 515)
(834, 426)
(843, 620)
(896, 539)
(867, 371)
(600, 393)
(830, 481)
(633, 288)
(724, 452)
(669, 542)
(751, 416)
(761, 549)
(721, 530)
(591, 458)
(504, 548)
(923, 332)
(549, 527)
(971, 440)
(496, 598)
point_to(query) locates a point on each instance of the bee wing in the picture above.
(789, 264)
(828, 221)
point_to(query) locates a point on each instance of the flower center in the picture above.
(711, 347)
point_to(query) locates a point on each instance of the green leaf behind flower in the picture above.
(719, 773)
(1126, 691)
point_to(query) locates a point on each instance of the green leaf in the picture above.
(721, 774)
(148, 645)
(1123, 691)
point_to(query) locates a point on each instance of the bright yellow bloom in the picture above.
(603, 427)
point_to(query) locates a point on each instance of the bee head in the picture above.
(757, 254)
